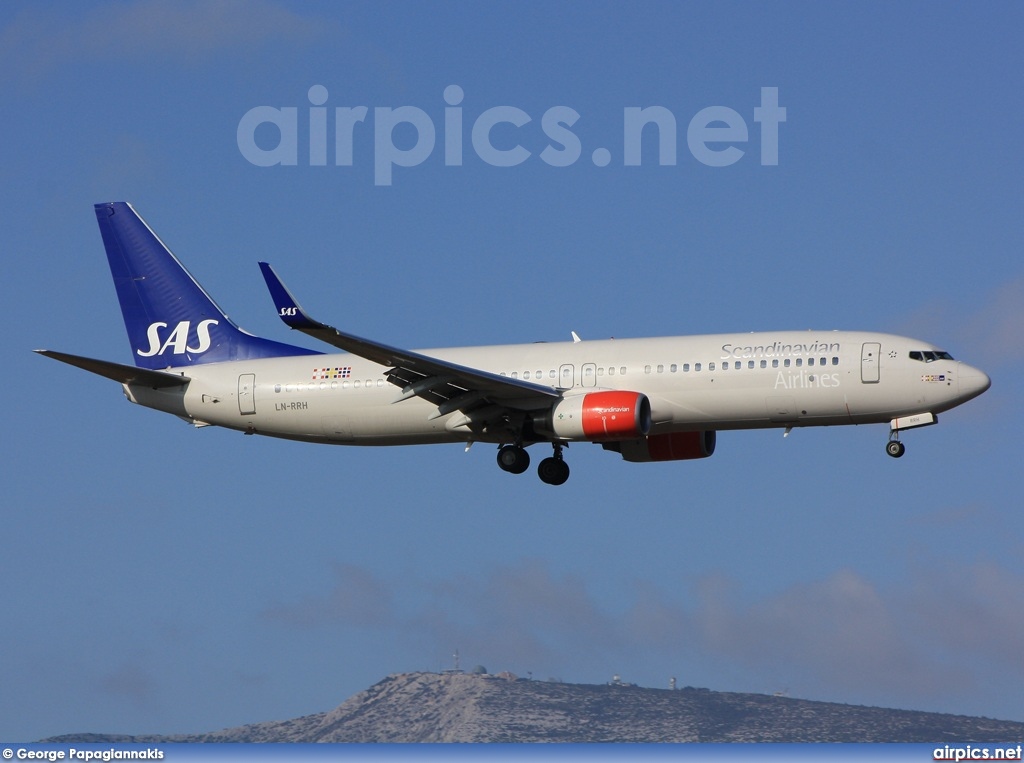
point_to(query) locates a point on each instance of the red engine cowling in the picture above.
(599, 417)
(677, 446)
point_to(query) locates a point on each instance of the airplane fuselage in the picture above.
(718, 382)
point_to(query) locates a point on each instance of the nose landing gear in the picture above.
(894, 447)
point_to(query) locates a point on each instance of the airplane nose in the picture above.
(972, 381)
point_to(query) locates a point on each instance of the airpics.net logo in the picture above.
(716, 136)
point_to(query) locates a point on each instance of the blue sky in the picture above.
(158, 578)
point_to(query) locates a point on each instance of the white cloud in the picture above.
(975, 610)
(921, 643)
(988, 331)
(839, 633)
(130, 681)
(522, 615)
(358, 599)
(995, 327)
(39, 40)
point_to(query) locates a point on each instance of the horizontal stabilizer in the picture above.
(119, 372)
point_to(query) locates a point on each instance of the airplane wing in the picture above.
(118, 372)
(483, 397)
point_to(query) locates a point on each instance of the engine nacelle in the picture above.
(677, 446)
(598, 417)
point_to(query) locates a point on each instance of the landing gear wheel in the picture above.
(513, 459)
(553, 471)
(895, 448)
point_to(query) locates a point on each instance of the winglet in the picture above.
(288, 309)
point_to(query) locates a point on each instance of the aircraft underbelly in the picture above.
(343, 418)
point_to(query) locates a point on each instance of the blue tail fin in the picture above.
(171, 320)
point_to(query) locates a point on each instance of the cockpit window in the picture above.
(928, 356)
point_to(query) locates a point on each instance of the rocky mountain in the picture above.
(457, 707)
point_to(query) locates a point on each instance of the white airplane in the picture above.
(659, 399)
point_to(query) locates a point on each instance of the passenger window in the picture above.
(647, 369)
(686, 368)
(673, 368)
(711, 366)
(775, 363)
(725, 365)
(526, 374)
(611, 370)
(622, 370)
(750, 364)
(696, 366)
(835, 361)
(786, 362)
(810, 361)
(661, 369)
(764, 364)
(515, 375)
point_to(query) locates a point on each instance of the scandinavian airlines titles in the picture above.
(778, 350)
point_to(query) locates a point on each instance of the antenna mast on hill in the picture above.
(456, 669)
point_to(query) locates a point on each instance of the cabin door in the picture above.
(869, 362)
(246, 394)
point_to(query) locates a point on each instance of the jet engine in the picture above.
(676, 446)
(598, 416)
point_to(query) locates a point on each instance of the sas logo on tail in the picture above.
(178, 339)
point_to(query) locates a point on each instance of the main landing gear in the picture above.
(552, 470)
(513, 459)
